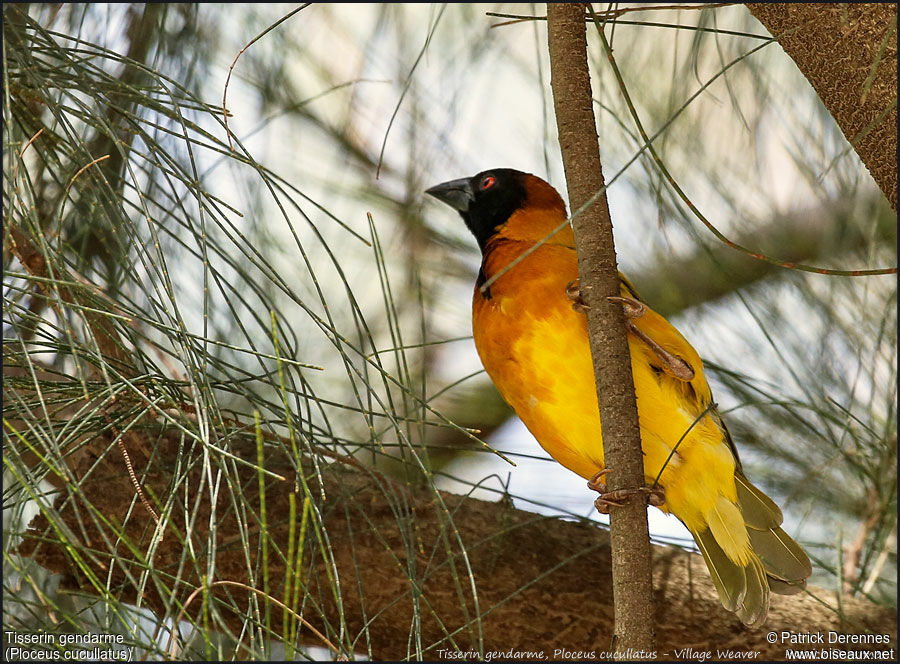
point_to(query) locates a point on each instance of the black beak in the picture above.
(457, 194)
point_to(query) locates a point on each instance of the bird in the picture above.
(531, 335)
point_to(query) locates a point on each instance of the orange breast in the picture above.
(535, 348)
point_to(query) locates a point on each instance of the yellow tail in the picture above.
(749, 555)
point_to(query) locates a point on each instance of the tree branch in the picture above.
(572, 100)
(529, 569)
(848, 52)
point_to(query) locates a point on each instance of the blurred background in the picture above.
(286, 259)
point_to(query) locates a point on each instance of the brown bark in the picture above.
(848, 52)
(542, 583)
(572, 100)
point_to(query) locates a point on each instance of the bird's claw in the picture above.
(656, 495)
(675, 366)
(671, 363)
(573, 292)
(632, 308)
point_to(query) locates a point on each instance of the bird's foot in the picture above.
(656, 495)
(670, 363)
(573, 292)
(632, 308)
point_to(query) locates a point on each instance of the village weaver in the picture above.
(531, 335)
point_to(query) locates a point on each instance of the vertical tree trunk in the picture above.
(572, 99)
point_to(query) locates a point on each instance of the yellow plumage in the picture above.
(535, 348)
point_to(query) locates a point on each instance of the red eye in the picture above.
(488, 182)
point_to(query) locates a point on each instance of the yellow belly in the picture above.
(540, 361)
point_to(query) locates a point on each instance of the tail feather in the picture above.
(728, 578)
(749, 555)
(782, 557)
(756, 602)
(784, 588)
(786, 564)
(727, 526)
(759, 510)
(742, 588)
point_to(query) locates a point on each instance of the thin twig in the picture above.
(881, 560)
(85, 167)
(712, 406)
(684, 197)
(612, 14)
(173, 644)
(406, 89)
(240, 53)
(31, 140)
(853, 551)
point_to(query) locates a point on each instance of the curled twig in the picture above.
(240, 53)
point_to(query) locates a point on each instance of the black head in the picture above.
(484, 201)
